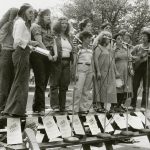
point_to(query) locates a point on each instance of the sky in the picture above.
(51, 4)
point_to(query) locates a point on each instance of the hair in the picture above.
(148, 35)
(84, 34)
(9, 17)
(104, 25)
(57, 27)
(41, 18)
(21, 13)
(116, 35)
(83, 24)
(100, 39)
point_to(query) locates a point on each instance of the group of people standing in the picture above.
(100, 64)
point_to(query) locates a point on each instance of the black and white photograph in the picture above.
(74, 74)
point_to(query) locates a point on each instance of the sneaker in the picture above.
(56, 109)
(131, 108)
(142, 109)
(42, 113)
(123, 107)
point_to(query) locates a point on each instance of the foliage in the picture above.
(120, 13)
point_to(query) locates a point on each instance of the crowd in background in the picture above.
(108, 65)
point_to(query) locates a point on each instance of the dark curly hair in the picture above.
(83, 24)
(41, 15)
(84, 34)
(57, 27)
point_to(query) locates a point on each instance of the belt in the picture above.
(88, 64)
(66, 58)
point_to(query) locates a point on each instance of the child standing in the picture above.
(84, 74)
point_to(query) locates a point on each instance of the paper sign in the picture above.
(92, 124)
(108, 126)
(64, 126)
(14, 135)
(142, 117)
(32, 123)
(39, 137)
(135, 122)
(120, 121)
(51, 127)
(78, 128)
(117, 132)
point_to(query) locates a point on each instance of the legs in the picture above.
(41, 67)
(6, 76)
(64, 83)
(78, 90)
(85, 102)
(60, 79)
(136, 83)
(17, 99)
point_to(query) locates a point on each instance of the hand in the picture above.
(33, 43)
(54, 57)
(93, 75)
(98, 75)
(76, 77)
(117, 75)
(50, 57)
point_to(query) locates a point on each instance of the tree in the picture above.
(99, 11)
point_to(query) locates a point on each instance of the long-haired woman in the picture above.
(60, 76)
(17, 99)
(6, 63)
(41, 32)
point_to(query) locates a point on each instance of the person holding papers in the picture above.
(41, 32)
(17, 99)
(60, 75)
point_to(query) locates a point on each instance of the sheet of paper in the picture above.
(120, 121)
(78, 128)
(91, 121)
(39, 137)
(64, 126)
(108, 127)
(14, 135)
(51, 127)
(135, 122)
(142, 117)
(117, 132)
(32, 123)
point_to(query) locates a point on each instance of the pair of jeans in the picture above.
(140, 75)
(41, 68)
(17, 99)
(6, 76)
(82, 88)
(59, 82)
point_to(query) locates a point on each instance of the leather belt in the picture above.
(88, 64)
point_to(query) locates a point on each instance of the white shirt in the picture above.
(66, 48)
(85, 56)
(21, 33)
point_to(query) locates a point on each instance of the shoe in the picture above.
(131, 108)
(123, 107)
(56, 109)
(42, 113)
(142, 109)
(119, 109)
